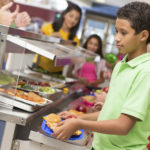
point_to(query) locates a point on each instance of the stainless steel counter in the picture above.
(21, 117)
(19, 123)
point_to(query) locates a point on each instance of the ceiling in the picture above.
(118, 3)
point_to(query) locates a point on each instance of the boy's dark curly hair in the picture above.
(138, 14)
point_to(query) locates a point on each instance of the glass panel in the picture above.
(111, 49)
(110, 42)
(13, 59)
(20, 83)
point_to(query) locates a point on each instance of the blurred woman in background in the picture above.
(90, 72)
(65, 28)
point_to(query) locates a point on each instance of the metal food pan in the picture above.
(11, 103)
(47, 101)
(36, 90)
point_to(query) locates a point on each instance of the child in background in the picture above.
(91, 73)
(65, 27)
(148, 47)
(123, 122)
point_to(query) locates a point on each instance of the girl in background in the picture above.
(65, 28)
(148, 47)
(91, 73)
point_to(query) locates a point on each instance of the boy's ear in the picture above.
(144, 35)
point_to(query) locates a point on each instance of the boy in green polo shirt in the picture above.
(124, 122)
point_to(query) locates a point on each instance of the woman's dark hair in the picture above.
(98, 38)
(58, 23)
(138, 14)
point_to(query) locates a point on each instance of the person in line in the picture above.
(90, 73)
(65, 28)
(15, 19)
(6, 17)
(123, 123)
(148, 47)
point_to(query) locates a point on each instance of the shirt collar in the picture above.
(138, 60)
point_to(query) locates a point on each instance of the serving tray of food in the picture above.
(29, 98)
(49, 125)
(41, 90)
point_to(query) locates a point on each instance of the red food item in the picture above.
(32, 82)
(46, 84)
(70, 116)
(105, 89)
(148, 146)
(40, 83)
(81, 108)
(149, 138)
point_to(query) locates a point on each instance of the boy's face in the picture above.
(126, 40)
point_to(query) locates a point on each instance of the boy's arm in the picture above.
(90, 116)
(120, 126)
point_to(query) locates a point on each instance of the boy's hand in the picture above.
(6, 17)
(100, 97)
(98, 106)
(65, 114)
(23, 19)
(68, 127)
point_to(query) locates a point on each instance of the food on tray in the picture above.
(52, 120)
(81, 108)
(99, 91)
(25, 87)
(6, 79)
(65, 90)
(106, 89)
(35, 98)
(59, 76)
(48, 90)
(39, 69)
(78, 132)
(71, 116)
(89, 98)
(10, 91)
(21, 82)
(75, 112)
(57, 84)
(2, 90)
(43, 84)
(31, 96)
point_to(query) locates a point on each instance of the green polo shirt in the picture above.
(129, 93)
